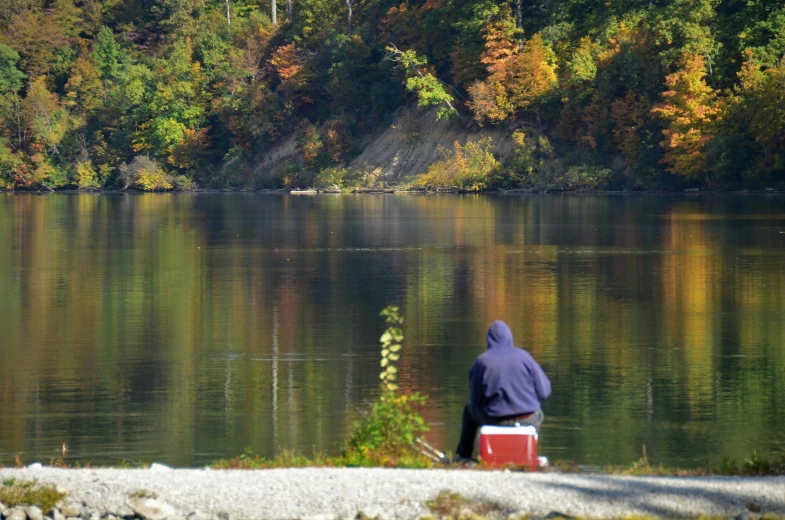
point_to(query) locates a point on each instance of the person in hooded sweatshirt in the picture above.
(506, 387)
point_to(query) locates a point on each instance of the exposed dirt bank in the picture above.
(400, 149)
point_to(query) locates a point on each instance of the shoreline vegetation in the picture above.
(429, 190)
(754, 466)
(571, 95)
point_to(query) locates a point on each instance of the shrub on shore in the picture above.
(335, 176)
(384, 437)
(29, 493)
(473, 167)
(146, 174)
(469, 166)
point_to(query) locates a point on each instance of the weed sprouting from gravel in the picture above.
(451, 505)
(29, 493)
(143, 493)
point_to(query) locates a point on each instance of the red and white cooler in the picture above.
(509, 445)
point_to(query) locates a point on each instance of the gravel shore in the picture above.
(401, 494)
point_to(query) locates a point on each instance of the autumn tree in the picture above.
(47, 121)
(480, 22)
(10, 84)
(38, 39)
(518, 78)
(11, 8)
(402, 24)
(530, 76)
(189, 152)
(45, 116)
(309, 143)
(691, 111)
(84, 88)
(290, 64)
(177, 17)
(629, 116)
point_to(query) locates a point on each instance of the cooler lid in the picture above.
(508, 430)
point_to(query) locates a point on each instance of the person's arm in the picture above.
(542, 385)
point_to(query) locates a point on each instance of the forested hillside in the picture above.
(173, 94)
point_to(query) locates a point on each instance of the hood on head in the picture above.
(499, 335)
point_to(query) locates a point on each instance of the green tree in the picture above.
(176, 105)
(108, 55)
(10, 77)
(429, 89)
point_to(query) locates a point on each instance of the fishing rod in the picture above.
(421, 446)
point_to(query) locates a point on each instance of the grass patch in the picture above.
(290, 459)
(454, 506)
(285, 459)
(29, 493)
(363, 456)
(755, 466)
(564, 466)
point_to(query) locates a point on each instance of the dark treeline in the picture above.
(172, 94)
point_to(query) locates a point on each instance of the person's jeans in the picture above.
(473, 418)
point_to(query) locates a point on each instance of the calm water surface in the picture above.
(184, 328)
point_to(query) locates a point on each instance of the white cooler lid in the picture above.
(508, 430)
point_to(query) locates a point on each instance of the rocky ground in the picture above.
(159, 492)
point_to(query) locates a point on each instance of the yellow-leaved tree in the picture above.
(691, 111)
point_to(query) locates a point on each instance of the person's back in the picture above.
(506, 386)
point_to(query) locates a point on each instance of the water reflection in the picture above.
(183, 328)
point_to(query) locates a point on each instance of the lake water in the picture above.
(183, 328)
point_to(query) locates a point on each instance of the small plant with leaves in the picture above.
(385, 436)
(756, 465)
(391, 346)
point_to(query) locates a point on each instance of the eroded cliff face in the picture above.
(268, 164)
(415, 140)
(397, 151)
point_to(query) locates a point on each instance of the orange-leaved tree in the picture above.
(691, 111)
(518, 78)
(291, 65)
(628, 115)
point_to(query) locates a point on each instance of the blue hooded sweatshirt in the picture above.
(506, 380)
